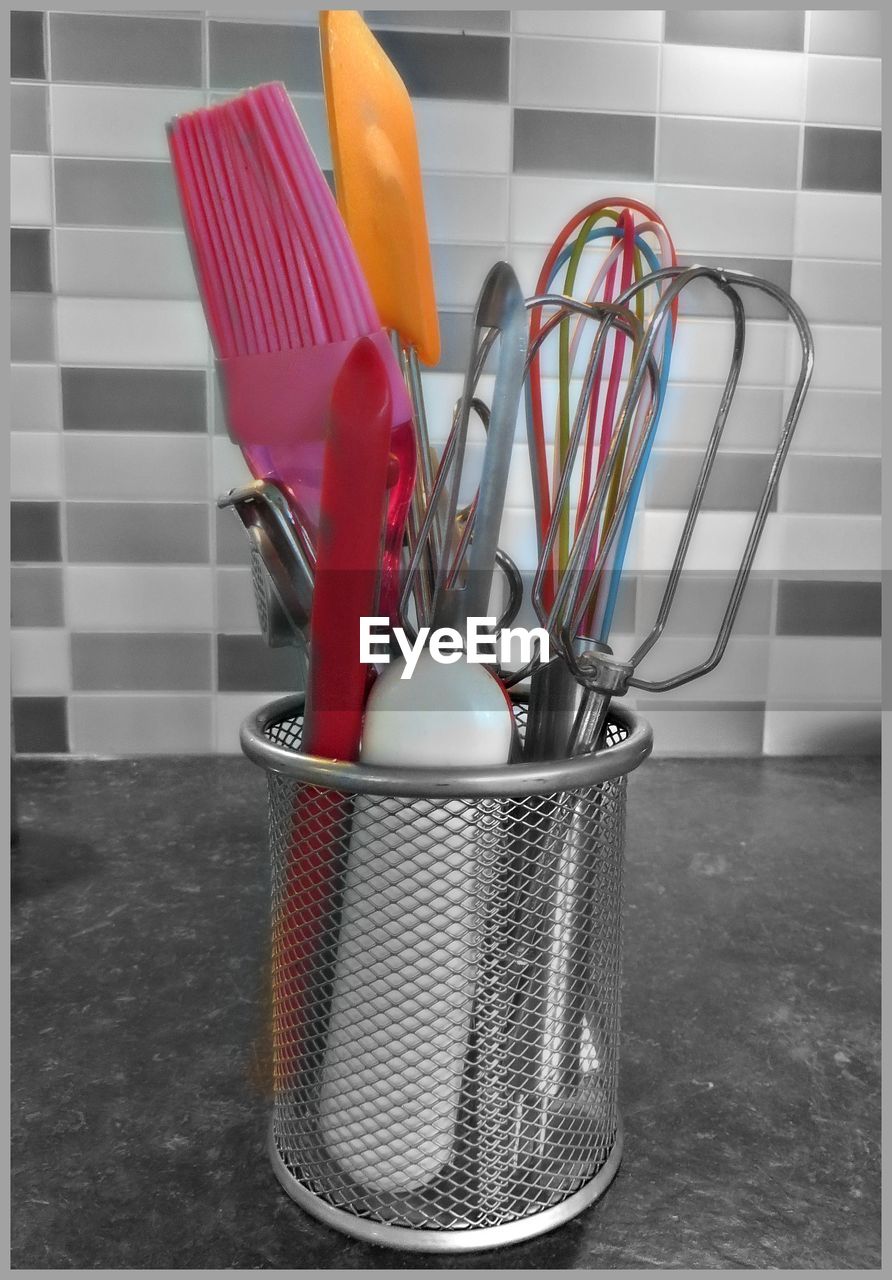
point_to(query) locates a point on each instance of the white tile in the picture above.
(39, 661)
(100, 120)
(131, 332)
(844, 91)
(820, 669)
(846, 357)
(832, 224)
(717, 544)
(466, 208)
(689, 411)
(139, 598)
(540, 207)
(140, 724)
(102, 262)
(585, 77)
(136, 466)
(728, 221)
(35, 403)
(229, 469)
(30, 191)
(826, 544)
(232, 709)
(310, 108)
(702, 351)
(463, 137)
(844, 422)
(236, 610)
(827, 732)
(35, 464)
(605, 24)
(441, 394)
(749, 83)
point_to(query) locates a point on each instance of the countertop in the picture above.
(750, 1077)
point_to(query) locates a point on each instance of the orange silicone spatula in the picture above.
(378, 178)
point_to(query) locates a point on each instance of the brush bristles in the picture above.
(275, 265)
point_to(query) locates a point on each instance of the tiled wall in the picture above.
(754, 133)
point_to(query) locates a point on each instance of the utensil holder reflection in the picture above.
(446, 1033)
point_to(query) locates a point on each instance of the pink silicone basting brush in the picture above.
(284, 296)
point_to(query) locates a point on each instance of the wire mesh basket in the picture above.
(446, 977)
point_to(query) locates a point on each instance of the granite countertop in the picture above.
(750, 1079)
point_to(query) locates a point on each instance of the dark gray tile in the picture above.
(232, 540)
(737, 28)
(140, 662)
(26, 45)
(846, 31)
(40, 725)
(36, 597)
(832, 485)
(583, 142)
(134, 400)
(702, 298)
(441, 19)
(27, 118)
(243, 53)
(246, 664)
(111, 49)
(728, 153)
(842, 159)
(474, 68)
(29, 260)
(32, 337)
(35, 531)
(736, 483)
(137, 533)
(116, 193)
(809, 608)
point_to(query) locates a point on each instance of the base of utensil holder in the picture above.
(457, 1241)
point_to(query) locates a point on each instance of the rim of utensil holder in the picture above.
(524, 778)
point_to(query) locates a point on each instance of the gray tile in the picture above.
(116, 193)
(137, 533)
(736, 484)
(34, 528)
(243, 53)
(103, 661)
(590, 143)
(441, 19)
(726, 153)
(459, 272)
(848, 31)
(40, 725)
(29, 262)
(701, 601)
(27, 53)
(832, 485)
(134, 399)
(842, 159)
(808, 608)
(28, 117)
(704, 729)
(232, 540)
(474, 68)
(246, 663)
(36, 597)
(108, 49)
(456, 328)
(839, 292)
(702, 298)
(32, 337)
(737, 28)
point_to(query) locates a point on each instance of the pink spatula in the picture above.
(284, 297)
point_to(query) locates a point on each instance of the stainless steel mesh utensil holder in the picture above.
(446, 975)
